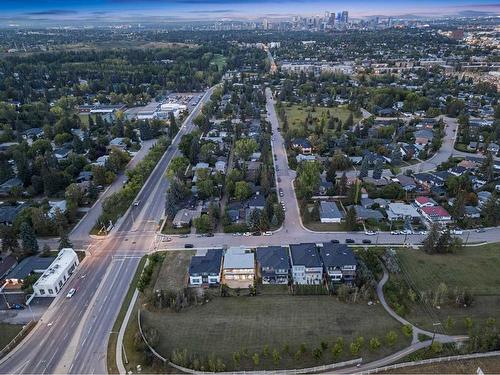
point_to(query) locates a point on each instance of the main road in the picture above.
(72, 335)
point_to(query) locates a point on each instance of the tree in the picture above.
(391, 338)
(64, 241)
(29, 242)
(245, 147)
(430, 242)
(350, 219)
(374, 343)
(308, 179)
(491, 211)
(203, 224)
(342, 186)
(396, 157)
(242, 190)
(340, 161)
(9, 239)
(177, 167)
(378, 169)
(363, 170)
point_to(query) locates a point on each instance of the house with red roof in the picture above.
(436, 214)
(425, 202)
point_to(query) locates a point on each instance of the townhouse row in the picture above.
(304, 264)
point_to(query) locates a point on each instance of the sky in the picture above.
(233, 9)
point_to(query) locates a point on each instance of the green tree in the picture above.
(378, 169)
(9, 239)
(177, 167)
(64, 241)
(242, 190)
(308, 179)
(351, 218)
(29, 242)
(203, 224)
(391, 338)
(374, 343)
(245, 147)
(363, 170)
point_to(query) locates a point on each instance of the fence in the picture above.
(432, 360)
(286, 372)
(26, 329)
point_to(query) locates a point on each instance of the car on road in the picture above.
(209, 235)
(267, 233)
(480, 230)
(16, 306)
(349, 240)
(188, 246)
(137, 202)
(367, 242)
(166, 239)
(395, 232)
(183, 236)
(256, 234)
(247, 234)
(370, 233)
(335, 241)
(71, 293)
(457, 231)
(279, 179)
(424, 232)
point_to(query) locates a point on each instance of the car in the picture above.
(281, 194)
(370, 233)
(188, 246)
(395, 232)
(335, 241)
(16, 306)
(256, 234)
(480, 230)
(166, 239)
(367, 241)
(183, 236)
(424, 232)
(267, 233)
(209, 235)
(71, 293)
(457, 231)
(279, 179)
(137, 202)
(247, 234)
(349, 240)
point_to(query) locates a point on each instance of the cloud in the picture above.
(475, 13)
(212, 11)
(52, 12)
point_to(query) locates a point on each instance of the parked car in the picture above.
(480, 230)
(370, 233)
(188, 246)
(16, 306)
(366, 241)
(247, 234)
(183, 236)
(256, 234)
(335, 241)
(166, 239)
(137, 202)
(267, 233)
(71, 293)
(209, 235)
(349, 240)
(395, 232)
(457, 231)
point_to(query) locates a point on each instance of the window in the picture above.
(51, 291)
(60, 283)
(42, 292)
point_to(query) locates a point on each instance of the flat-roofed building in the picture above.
(59, 272)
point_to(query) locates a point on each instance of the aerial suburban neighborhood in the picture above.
(274, 187)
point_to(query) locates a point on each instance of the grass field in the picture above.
(173, 272)
(489, 365)
(9, 331)
(220, 61)
(474, 268)
(296, 114)
(227, 325)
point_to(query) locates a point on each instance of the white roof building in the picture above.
(401, 211)
(59, 272)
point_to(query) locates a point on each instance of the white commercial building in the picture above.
(54, 277)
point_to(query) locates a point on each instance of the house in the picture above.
(58, 273)
(401, 211)
(457, 170)
(57, 206)
(406, 182)
(427, 180)
(10, 184)
(101, 161)
(363, 213)
(339, 262)
(118, 142)
(273, 264)
(303, 145)
(28, 266)
(7, 264)
(425, 202)
(493, 148)
(256, 202)
(307, 268)
(436, 214)
(9, 212)
(62, 153)
(84, 176)
(329, 212)
(205, 269)
(301, 157)
(239, 268)
(472, 212)
(33, 134)
(184, 217)
(220, 166)
(483, 197)
(253, 170)
(233, 211)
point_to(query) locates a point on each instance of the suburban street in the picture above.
(81, 325)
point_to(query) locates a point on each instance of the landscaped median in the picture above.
(200, 329)
(117, 203)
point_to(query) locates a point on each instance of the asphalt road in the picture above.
(72, 336)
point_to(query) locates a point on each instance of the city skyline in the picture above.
(204, 10)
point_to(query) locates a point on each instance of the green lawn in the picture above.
(239, 324)
(476, 269)
(9, 331)
(296, 114)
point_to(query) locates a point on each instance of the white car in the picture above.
(370, 233)
(166, 239)
(457, 231)
(395, 232)
(247, 234)
(267, 233)
(71, 292)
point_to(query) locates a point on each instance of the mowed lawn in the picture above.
(476, 269)
(227, 325)
(296, 114)
(8, 332)
(173, 271)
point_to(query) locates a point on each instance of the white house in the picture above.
(59, 272)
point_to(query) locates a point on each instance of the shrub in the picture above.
(407, 330)
(391, 338)
(374, 343)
